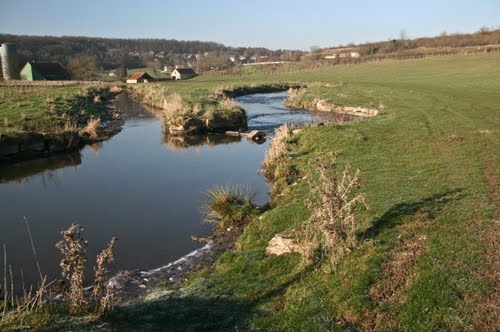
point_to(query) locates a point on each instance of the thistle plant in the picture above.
(331, 227)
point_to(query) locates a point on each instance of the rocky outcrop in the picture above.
(295, 100)
(324, 106)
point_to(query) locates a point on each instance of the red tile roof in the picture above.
(137, 75)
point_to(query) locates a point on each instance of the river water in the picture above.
(141, 186)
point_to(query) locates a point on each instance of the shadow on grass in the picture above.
(428, 207)
(194, 313)
(182, 314)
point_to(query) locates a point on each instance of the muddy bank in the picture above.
(133, 286)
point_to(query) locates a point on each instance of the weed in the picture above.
(73, 249)
(331, 228)
(100, 292)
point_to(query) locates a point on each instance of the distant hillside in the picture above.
(482, 41)
(110, 53)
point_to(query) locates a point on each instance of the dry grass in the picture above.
(277, 152)
(92, 128)
(330, 231)
(228, 205)
(173, 106)
(14, 305)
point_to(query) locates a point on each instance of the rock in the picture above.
(323, 106)
(361, 111)
(280, 245)
(256, 134)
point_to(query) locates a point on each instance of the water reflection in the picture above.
(142, 186)
(185, 142)
(22, 171)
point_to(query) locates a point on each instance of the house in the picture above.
(140, 77)
(182, 73)
(44, 71)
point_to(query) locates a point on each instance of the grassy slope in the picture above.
(423, 264)
(432, 201)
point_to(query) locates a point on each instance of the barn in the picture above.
(140, 77)
(44, 71)
(182, 73)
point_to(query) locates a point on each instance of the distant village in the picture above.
(54, 71)
(12, 68)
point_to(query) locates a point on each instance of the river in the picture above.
(141, 186)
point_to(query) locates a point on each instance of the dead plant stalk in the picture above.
(332, 226)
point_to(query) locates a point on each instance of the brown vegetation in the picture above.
(330, 231)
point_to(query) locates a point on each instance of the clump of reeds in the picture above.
(277, 152)
(331, 228)
(14, 306)
(228, 205)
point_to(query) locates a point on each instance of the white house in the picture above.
(182, 73)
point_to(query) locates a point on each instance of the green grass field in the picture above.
(50, 108)
(430, 170)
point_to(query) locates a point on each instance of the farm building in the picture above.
(44, 71)
(140, 77)
(182, 73)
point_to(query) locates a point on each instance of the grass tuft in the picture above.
(228, 206)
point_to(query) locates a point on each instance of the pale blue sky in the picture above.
(274, 24)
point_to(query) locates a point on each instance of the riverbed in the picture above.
(141, 186)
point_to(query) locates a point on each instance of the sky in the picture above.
(273, 24)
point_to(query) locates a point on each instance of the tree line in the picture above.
(85, 56)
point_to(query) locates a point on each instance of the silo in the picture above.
(8, 57)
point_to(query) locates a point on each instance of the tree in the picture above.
(83, 67)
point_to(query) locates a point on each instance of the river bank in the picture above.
(133, 286)
(62, 124)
